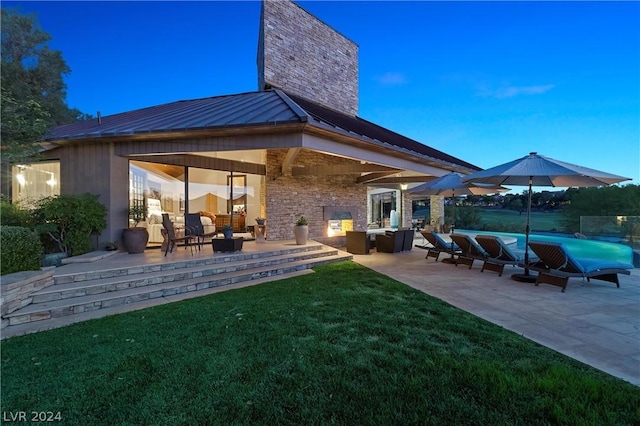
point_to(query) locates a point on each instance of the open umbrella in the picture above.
(452, 185)
(536, 170)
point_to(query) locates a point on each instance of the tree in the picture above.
(609, 201)
(33, 88)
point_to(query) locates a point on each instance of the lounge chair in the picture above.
(173, 238)
(470, 250)
(499, 254)
(438, 245)
(557, 265)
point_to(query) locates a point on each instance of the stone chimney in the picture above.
(301, 55)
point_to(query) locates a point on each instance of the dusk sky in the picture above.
(487, 82)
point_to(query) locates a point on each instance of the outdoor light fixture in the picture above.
(52, 180)
(20, 176)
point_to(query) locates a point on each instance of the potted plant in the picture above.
(260, 220)
(135, 238)
(301, 230)
(227, 231)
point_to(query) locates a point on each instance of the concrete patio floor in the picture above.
(597, 323)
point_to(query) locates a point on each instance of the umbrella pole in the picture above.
(453, 224)
(526, 277)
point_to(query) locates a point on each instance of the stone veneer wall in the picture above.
(289, 197)
(302, 55)
(16, 290)
(407, 210)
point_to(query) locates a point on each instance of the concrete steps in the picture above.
(82, 295)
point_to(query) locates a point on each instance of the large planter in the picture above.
(135, 239)
(301, 233)
(227, 244)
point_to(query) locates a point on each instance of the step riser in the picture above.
(179, 276)
(157, 293)
(183, 264)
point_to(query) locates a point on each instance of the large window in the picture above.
(176, 190)
(32, 182)
(381, 206)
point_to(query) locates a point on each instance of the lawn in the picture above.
(345, 345)
(512, 221)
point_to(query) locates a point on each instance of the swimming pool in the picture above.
(577, 247)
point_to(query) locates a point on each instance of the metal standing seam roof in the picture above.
(261, 108)
(246, 109)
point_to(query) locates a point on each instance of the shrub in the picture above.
(21, 250)
(70, 220)
(12, 215)
(467, 217)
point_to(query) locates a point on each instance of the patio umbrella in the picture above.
(452, 185)
(537, 170)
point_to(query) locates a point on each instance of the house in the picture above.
(295, 147)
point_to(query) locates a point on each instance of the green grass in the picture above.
(512, 221)
(345, 345)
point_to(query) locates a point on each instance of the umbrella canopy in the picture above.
(452, 185)
(536, 170)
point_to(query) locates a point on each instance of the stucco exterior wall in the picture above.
(302, 55)
(289, 197)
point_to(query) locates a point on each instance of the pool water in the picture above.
(577, 247)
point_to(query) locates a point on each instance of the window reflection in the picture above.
(32, 182)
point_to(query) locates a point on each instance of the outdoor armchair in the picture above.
(358, 242)
(172, 236)
(409, 234)
(194, 224)
(557, 265)
(390, 241)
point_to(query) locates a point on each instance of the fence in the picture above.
(617, 229)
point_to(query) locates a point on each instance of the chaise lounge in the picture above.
(557, 265)
(499, 254)
(470, 250)
(438, 245)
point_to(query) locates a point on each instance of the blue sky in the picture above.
(487, 82)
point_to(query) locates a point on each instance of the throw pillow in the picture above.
(208, 214)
